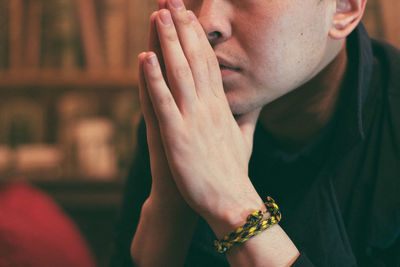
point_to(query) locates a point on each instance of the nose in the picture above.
(215, 17)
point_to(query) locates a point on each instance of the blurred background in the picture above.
(69, 106)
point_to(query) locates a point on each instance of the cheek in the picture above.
(270, 53)
(285, 50)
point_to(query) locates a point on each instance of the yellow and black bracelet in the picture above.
(253, 226)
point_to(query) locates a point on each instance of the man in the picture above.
(244, 99)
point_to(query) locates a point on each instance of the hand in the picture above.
(163, 190)
(208, 151)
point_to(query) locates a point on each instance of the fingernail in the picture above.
(166, 17)
(191, 15)
(178, 4)
(152, 60)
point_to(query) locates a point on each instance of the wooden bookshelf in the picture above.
(80, 194)
(50, 50)
(14, 79)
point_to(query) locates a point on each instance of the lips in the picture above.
(226, 65)
(223, 67)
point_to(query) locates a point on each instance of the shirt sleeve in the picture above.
(136, 191)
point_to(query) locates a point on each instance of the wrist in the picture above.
(164, 230)
(234, 215)
(168, 205)
(163, 215)
(167, 197)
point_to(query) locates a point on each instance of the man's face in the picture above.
(266, 48)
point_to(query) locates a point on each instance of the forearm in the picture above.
(164, 230)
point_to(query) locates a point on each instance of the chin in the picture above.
(241, 105)
(235, 103)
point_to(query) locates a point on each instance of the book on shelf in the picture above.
(6, 159)
(138, 26)
(16, 16)
(39, 161)
(4, 25)
(61, 47)
(33, 161)
(94, 139)
(72, 107)
(125, 114)
(90, 35)
(33, 34)
(22, 121)
(70, 34)
(115, 33)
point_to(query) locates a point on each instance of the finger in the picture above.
(162, 4)
(247, 124)
(180, 78)
(158, 162)
(152, 129)
(198, 52)
(154, 43)
(212, 62)
(147, 108)
(163, 102)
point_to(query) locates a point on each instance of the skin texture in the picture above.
(203, 84)
(187, 112)
(278, 45)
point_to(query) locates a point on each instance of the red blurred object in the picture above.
(34, 231)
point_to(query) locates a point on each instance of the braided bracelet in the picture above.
(252, 227)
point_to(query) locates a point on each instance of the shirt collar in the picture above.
(350, 123)
(360, 58)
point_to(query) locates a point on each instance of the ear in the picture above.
(346, 18)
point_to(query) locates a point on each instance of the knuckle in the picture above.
(196, 55)
(170, 36)
(183, 19)
(165, 100)
(182, 72)
(189, 110)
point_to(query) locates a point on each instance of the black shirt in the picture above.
(339, 195)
